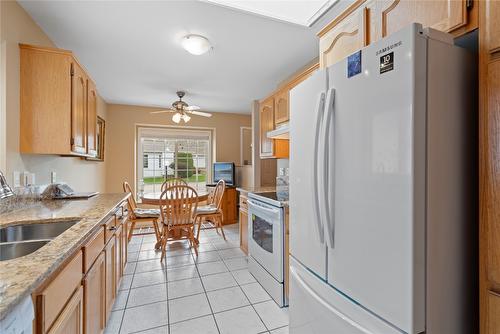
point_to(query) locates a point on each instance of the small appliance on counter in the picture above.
(63, 191)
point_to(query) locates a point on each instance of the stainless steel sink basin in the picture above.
(23, 239)
(12, 250)
(35, 231)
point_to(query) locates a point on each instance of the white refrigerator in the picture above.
(382, 190)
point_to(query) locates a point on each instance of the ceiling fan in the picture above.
(182, 110)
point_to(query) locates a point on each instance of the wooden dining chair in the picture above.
(212, 212)
(172, 182)
(141, 216)
(177, 204)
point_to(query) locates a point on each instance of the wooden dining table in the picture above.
(153, 198)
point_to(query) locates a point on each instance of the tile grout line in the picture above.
(206, 296)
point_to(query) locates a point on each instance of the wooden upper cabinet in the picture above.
(492, 25)
(389, 16)
(349, 35)
(78, 110)
(91, 119)
(58, 113)
(266, 124)
(45, 98)
(281, 108)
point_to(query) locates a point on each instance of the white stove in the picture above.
(266, 242)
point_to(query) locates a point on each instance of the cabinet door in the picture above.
(281, 107)
(244, 230)
(70, 321)
(266, 124)
(393, 15)
(91, 119)
(110, 252)
(344, 39)
(493, 313)
(492, 22)
(119, 261)
(78, 110)
(94, 297)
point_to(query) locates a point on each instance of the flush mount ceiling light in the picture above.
(196, 44)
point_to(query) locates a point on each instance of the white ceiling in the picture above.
(132, 50)
(299, 12)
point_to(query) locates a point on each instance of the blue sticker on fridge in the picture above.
(354, 64)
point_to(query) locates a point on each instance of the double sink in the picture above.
(24, 239)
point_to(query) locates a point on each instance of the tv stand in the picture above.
(229, 209)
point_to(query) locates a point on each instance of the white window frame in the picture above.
(142, 130)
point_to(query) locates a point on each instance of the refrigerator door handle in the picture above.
(329, 220)
(324, 303)
(320, 105)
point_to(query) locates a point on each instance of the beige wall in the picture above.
(18, 27)
(120, 136)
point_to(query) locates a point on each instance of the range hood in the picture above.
(281, 132)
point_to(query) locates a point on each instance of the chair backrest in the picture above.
(218, 194)
(172, 182)
(177, 204)
(132, 205)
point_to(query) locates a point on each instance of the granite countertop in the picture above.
(256, 189)
(21, 276)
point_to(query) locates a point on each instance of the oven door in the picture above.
(265, 242)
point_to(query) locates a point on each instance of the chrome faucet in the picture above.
(5, 189)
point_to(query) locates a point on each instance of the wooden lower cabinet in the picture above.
(79, 297)
(110, 261)
(244, 230)
(94, 294)
(120, 262)
(229, 208)
(493, 313)
(70, 321)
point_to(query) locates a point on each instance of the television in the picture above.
(224, 171)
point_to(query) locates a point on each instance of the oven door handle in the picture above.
(263, 208)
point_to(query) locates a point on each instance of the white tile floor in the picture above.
(211, 293)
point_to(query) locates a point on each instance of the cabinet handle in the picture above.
(112, 228)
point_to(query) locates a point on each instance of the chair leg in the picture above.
(195, 244)
(131, 231)
(157, 233)
(219, 219)
(164, 243)
(199, 227)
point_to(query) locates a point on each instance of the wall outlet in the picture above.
(53, 177)
(17, 179)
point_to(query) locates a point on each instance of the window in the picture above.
(173, 153)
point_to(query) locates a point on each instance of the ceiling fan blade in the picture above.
(200, 113)
(192, 108)
(162, 111)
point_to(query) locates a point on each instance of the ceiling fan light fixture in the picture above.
(196, 44)
(186, 118)
(177, 118)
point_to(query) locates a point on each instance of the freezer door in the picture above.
(378, 167)
(317, 308)
(307, 242)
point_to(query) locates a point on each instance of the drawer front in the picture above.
(51, 301)
(109, 228)
(92, 249)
